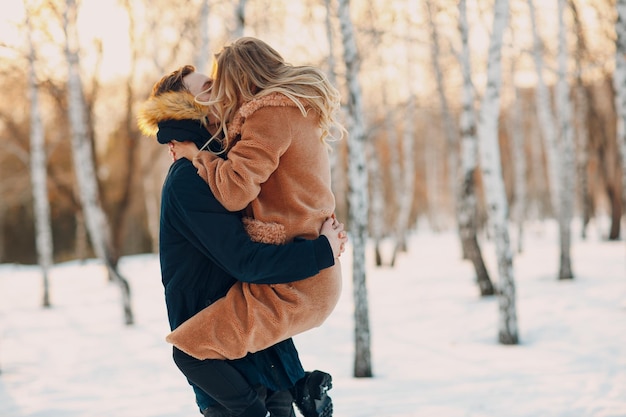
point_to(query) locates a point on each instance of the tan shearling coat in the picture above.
(278, 170)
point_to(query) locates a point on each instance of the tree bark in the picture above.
(240, 18)
(491, 166)
(97, 224)
(467, 203)
(449, 128)
(566, 151)
(517, 137)
(43, 225)
(357, 193)
(619, 83)
(337, 160)
(377, 199)
(203, 50)
(128, 150)
(400, 191)
(545, 114)
(580, 121)
(402, 146)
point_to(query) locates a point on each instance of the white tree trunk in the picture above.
(545, 115)
(203, 50)
(467, 201)
(449, 127)
(491, 166)
(39, 178)
(433, 162)
(395, 174)
(240, 18)
(82, 154)
(537, 171)
(519, 162)
(619, 82)
(357, 194)
(377, 198)
(406, 197)
(567, 169)
(580, 123)
(337, 162)
(582, 141)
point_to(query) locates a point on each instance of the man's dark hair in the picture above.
(173, 81)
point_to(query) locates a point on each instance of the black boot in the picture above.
(311, 394)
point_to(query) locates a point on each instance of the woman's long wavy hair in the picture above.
(249, 68)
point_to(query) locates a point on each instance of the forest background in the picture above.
(474, 116)
(125, 46)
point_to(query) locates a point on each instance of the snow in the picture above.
(434, 340)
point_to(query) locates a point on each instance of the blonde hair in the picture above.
(249, 68)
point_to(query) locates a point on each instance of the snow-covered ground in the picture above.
(434, 340)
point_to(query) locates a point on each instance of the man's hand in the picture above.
(336, 235)
(185, 150)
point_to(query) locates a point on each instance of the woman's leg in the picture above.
(222, 382)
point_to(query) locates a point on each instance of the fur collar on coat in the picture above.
(173, 105)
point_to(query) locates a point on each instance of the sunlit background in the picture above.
(436, 334)
(125, 46)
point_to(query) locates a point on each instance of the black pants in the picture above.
(229, 388)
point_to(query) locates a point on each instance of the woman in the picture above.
(275, 118)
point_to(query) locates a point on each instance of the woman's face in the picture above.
(199, 85)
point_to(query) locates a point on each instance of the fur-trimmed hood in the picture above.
(173, 105)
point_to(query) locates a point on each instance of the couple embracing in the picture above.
(249, 243)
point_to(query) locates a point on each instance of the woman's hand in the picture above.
(336, 235)
(185, 150)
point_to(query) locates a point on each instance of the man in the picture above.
(202, 246)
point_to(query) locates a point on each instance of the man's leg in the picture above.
(223, 383)
(279, 403)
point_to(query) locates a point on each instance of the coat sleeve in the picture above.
(236, 181)
(220, 235)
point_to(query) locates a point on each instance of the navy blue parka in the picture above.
(203, 247)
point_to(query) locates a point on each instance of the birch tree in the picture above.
(357, 193)
(388, 140)
(337, 162)
(517, 137)
(545, 114)
(407, 160)
(566, 151)
(202, 52)
(433, 162)
(467, 211)
(126, 149)
(491, 167)
(377, 198)
(405, 199)
(580, 121)
(240, 18)
(38, 174)
(395, 172)
(619, 83)
(82, 152)
(449, 127)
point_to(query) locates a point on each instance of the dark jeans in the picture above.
(229, 388)
(277, 403)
